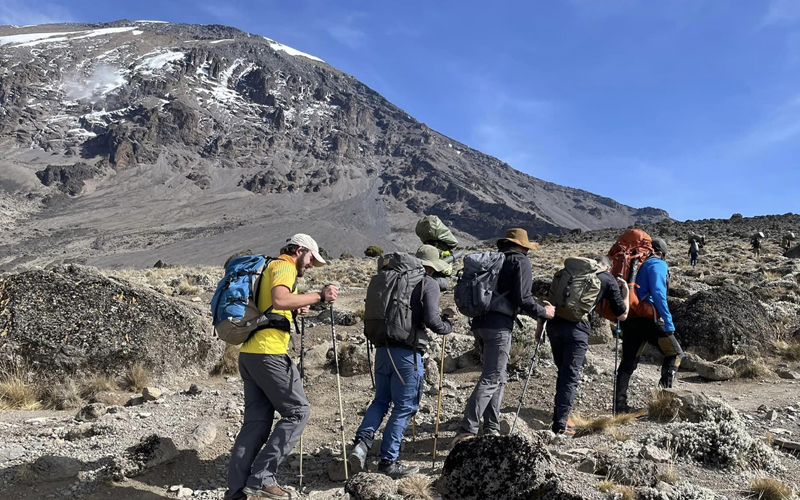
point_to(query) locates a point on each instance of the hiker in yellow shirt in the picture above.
(271, 380)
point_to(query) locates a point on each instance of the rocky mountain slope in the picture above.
(124, 143)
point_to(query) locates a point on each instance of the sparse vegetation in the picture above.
(136, 378)
(17, 391)
(416, 487)
(99, 383)
(586, 426)
(60, 394)
(229, 363)
(609, 486)
(669, 475)
(789, 351)
(373, 251)
(767, 488)
(663, 406)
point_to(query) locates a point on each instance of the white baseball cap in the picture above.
(306, 241)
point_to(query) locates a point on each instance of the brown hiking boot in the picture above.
(462, 437)
(273, 492)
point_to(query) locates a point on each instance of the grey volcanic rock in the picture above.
(183, 136)
(722, 321)
(72, 319)
(151, 452)
(714, 371)
(370, 486)
(497, 467)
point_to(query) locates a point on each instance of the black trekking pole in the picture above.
(616, 367)
(339, 390)
(302, 381)
(528, 378)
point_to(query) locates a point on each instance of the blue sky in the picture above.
(688, 105)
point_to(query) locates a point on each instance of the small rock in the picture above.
(91, 412)
(588, 465)
(370, 486)
(11, 453)
(144, 414)
(185, 492)
(335, 469)
(135, 401)
(37, 420)
(151, 393)
(655, 454)
(175, 488)
(771, 415)
(203, 435)
(196, 299)
(788, 374)
(194, 390)
(50, 468)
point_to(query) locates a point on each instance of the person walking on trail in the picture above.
(271, 380)
(694, 251)
(399, 374)
(493, 333)
(755, 243)
(569, 340)
(637, 332)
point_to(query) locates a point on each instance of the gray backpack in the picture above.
(475, 293)
(387, 308)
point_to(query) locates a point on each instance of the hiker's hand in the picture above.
(448, 312)
(549, 310)
(303, 310)
(330, 293)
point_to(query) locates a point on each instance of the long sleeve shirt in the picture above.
(652, 281)
(425, 311)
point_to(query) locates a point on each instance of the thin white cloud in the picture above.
(782, 12)
(24, 13)
(224, 12)
(345, 30)
(781, 127)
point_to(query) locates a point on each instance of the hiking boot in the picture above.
(463, 436)
(491, 432)
(568, 430)
(357, 458)
(396, 470)
(273, 492)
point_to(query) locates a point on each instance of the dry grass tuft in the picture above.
(415, 487)
(517, 355)
(767, 488)
(229, 363)
(668, 475)
(187, 287)
(788, 350)
(618, 434)
(136, 378)
(586, 426)
(99, 383)
(609, 486)
(61, 395)
(753, 369)
(663, 406)
(17, 392)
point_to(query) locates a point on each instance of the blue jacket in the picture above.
(652, 281)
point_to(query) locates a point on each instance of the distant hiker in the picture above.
(786, 243)
(638, 331)
(755, 243)
(694, 251)
(576, 291)
(492, 329)
(271, 380)
(400, 342)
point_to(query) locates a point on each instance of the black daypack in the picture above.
(387, 308)
(475, 293)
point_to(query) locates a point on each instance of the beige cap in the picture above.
(429, 255)
(306, 241)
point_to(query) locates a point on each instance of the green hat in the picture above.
(429, 255)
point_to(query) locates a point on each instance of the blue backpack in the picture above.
(234, 306)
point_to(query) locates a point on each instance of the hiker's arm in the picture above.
(657, 277)
(284, 300)
(430, 309)
(522, 296)
(621, 297)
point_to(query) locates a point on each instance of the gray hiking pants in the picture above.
(487, 396)
(271, 383)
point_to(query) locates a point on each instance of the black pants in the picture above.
(636, 334)
(569, 345)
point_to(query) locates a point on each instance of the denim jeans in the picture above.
(400, 388)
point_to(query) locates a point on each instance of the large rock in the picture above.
(496, 467)
(714, 371)
(151, 452)
(353, 359)
(48, 469)
(72, 319)
(793, 253)
(370, 486)
(725, 320)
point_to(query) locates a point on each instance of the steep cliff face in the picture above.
(125, 141)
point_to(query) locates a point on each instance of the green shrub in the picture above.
(373, 251)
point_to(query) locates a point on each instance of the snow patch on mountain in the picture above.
(289, 50)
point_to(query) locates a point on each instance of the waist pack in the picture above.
(575, 289)
(475, 293)
(234, 306)
(387, 307)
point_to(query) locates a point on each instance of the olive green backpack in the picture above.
(575, 289)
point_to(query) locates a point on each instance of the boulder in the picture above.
(370, 486)
(91, 412)
(496, 467)
(714, 371)
(352, 359)
(725, 320)
(151, 452)
(47, 469)
(203, 435)
(689, 361)
(630, 472)
(151, 393)
(72, 319)
(793, 253)
(601, 331)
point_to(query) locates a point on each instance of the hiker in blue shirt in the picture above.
(638, 331)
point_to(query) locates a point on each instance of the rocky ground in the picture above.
(171, 436)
